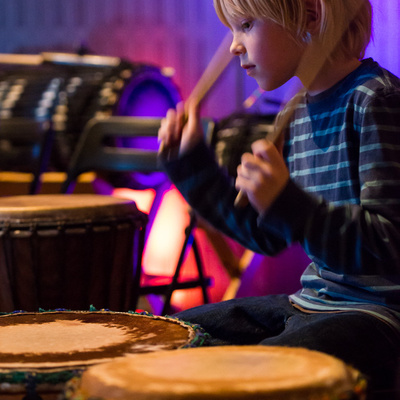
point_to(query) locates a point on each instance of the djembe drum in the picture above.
(40, 352)
(69, 251)
(227, 372)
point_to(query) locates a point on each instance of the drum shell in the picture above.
(85, 256)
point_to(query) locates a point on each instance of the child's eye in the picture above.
(246, 25)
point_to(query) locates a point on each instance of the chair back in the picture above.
(97, 150)
(25, 146)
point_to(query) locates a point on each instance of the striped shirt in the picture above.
(342, 203)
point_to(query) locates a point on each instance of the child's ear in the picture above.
(313, 10)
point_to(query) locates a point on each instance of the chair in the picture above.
(96, 151)
(25, 146)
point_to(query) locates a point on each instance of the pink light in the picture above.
(167, 234)
(165, 242)
(143, 198)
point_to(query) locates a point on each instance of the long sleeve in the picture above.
(212, 193)
(355, 227)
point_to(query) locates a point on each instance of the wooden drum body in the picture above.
(69, 251)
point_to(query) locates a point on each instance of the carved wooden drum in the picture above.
(69, 251)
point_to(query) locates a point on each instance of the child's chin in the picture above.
(269, 85)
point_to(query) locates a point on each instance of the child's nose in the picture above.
(236, 48)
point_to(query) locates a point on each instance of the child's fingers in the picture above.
(245, 170)
(169, 132)
(181, 128)
(193, 115)
(192, 131)
(180, 119)
(264, 149)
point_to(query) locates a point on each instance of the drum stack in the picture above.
(66, 90)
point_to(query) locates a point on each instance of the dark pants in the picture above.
(357, 338)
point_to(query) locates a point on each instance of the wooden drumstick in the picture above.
(241, 199)
(311, 64)
(220, 60)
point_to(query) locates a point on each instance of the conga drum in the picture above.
(69, 251)
(227, 372)
(40, 352)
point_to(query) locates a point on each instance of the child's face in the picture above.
(267, 51)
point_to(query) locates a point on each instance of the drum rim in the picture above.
(53, 209)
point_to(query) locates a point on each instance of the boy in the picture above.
(332, 185)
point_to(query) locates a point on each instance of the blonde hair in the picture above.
(352, 18)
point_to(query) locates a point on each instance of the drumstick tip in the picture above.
(241, 200)
(161, 147)
(167, 153)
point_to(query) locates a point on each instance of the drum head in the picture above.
(66, 339)
(53, 208)
(40, 352)
(234, 372)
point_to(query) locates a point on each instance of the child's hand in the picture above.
(262, 175)
(181, 128)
